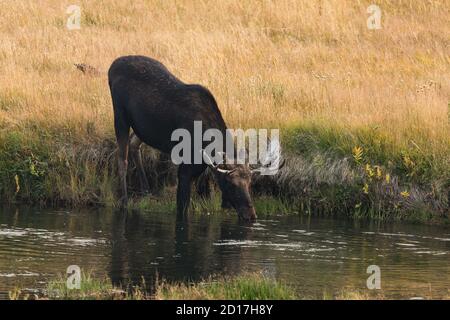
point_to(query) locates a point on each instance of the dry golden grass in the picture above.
(269, 64)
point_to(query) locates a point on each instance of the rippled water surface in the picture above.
(316, 256)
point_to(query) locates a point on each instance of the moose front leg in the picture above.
(184, 190)
(226, 204)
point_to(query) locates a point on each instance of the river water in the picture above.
(316, 256)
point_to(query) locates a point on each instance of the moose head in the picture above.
(235, 179)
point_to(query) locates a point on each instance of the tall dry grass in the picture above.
(269, 63)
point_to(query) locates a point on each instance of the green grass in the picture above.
(415, 161)
(264, 205)
(246, 286)
(91, 288)
(267, 205)
(253, 286)
(383, 180)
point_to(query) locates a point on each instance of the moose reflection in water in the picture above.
(190, 255)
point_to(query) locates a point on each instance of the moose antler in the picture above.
(273, 160)
(209, 162)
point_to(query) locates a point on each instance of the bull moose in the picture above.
(153, 102)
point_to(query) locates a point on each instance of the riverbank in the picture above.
(364, 113)
(318, 178)
(326, 182)
(252, 286)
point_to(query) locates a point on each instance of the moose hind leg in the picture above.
(203, 186)
(135, 153)
(122, 129)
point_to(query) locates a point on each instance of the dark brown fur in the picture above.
(153, 102)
